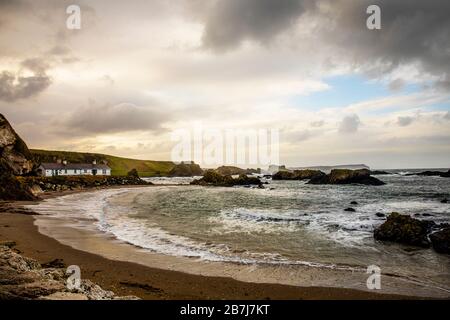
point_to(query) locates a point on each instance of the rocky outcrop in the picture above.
(298, 175)
(185, 170)
(379, 172)
(404, 229)
(212, 178)
(431, 174)
(15, 159)
(440, 240)
(24, 278)
(344, 176)
(65, 183)
(232, 171)
(13, 150)
(10, 187)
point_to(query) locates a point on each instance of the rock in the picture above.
(9, 244)
(404, 229)
(185, 170)
(212, 178)
(432, 174)
(13, 150)
(56, 263)
(350, 210)
(354, 202)
(440, 240)
(379, 172)
(297, 174)
(133, 173)
(230, 171)
(444, 201)
(380, 215)
(25, 278)
(345, 176)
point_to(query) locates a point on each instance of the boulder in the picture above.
(444, 201)
(297, 174)
(404, 229)
(185, 170)
(350, 210)
(230, 171)
(345, 176)
(212, 178)
(440, 240)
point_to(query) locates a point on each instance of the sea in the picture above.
(286, 224)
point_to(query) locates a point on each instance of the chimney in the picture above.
(64, 162)
(94, 162)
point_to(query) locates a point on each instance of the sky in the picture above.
(136, 71)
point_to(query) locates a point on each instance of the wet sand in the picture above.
(128, 278)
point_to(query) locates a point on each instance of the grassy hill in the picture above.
(119, 166)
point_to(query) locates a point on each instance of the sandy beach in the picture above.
(127, 278)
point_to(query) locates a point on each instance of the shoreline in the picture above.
(130, 278)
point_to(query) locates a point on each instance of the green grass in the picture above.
(119, 166)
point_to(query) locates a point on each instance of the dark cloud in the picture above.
(405, 121)
(230, 22)
(111, 119)
(13, 87)
(413, 32)
(349, 124)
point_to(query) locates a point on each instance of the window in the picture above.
(104, 171)
(65, 171)
(85, 171)
(75, 171)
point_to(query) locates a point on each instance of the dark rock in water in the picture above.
(380, 215)
(297, 174)
(427, 215)
(186, 170)
(232, 171)
(345, 176)
(379, 172)
(432, 174)
(444, 201)
(354, 202)
(350, 210)
(404, 229)
(212, 178)
(441, 240)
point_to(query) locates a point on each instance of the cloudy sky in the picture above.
(137, 70)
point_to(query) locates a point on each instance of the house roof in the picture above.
(73, 166)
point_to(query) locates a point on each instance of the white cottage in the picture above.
(74, 169)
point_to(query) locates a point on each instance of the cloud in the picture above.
(317, 124)
(349, 124)
(447, 115)
(396, 85)
(13, 87)
(405, 121)
(123, 117)
(230, 22)
(416, 33)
